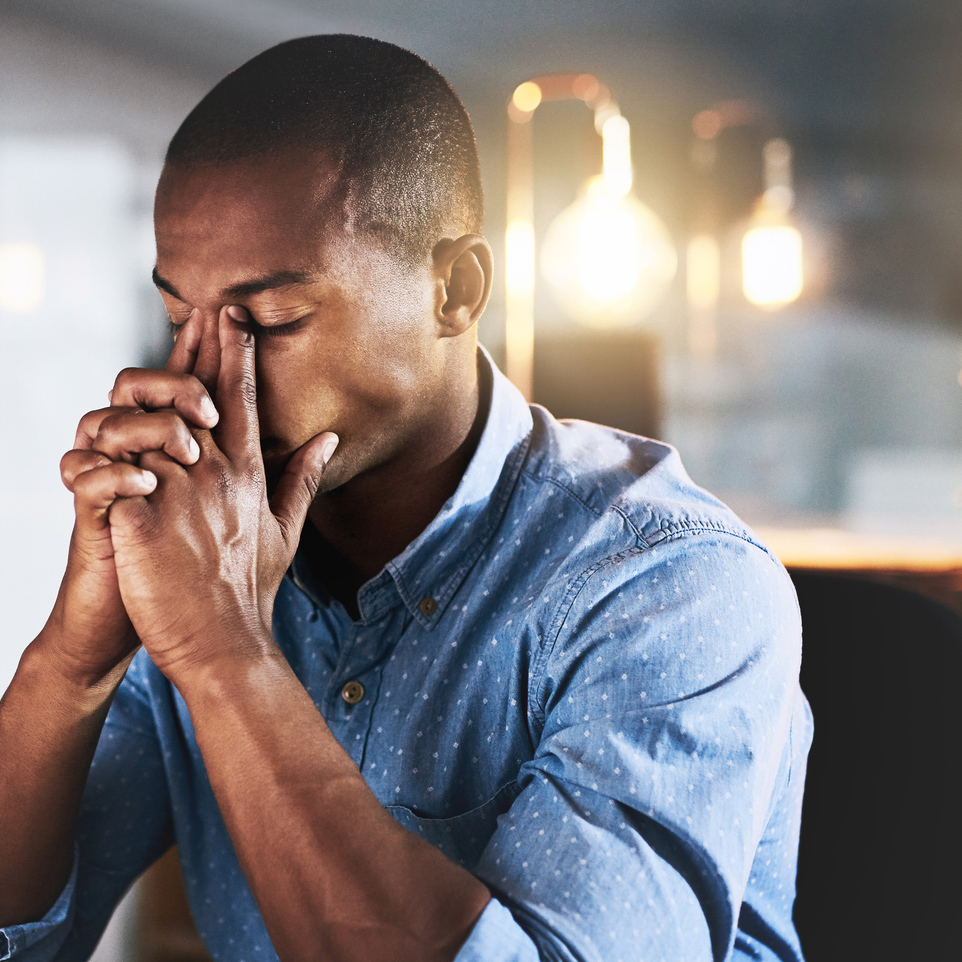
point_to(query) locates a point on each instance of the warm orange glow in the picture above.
(707, 124)
(585, 87)
(703, 271)
(527, 96)
(841, 550)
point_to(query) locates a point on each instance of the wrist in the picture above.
(220, 655)
(80, 661)
(68, 681)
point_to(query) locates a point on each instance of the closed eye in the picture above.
(278, 330)
(275, 330)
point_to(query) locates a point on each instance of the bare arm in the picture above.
(49, 726)
(333, 874)
(52, 714)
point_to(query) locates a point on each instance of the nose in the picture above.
(207, 366)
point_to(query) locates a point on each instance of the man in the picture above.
(518, 691)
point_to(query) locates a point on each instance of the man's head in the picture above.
(330, 187)
(383, 120)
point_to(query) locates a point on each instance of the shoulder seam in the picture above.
(574, 589)
(564, 609)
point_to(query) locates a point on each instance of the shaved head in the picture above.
(384, 121)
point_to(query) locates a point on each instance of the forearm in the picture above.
(333, 874)
(49, 728)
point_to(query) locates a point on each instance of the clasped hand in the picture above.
(176, 545)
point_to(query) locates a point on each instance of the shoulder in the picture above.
(631, 550)
(638, 481)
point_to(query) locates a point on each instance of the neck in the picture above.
(360, 526)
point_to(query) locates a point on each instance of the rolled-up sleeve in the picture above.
(42, 940)
(665, 700)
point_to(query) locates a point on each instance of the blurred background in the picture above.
(767, 273)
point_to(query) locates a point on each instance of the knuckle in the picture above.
(312, 483)
(243, 386)
(171, 423)
(108, 430)
(89, 419)
(75, 463)
(87, 428)
(85, 486)
(192, 383)
(126, 378)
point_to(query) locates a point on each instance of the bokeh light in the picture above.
(772, 264)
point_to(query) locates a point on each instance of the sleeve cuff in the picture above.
(42, 939)
(497, 937)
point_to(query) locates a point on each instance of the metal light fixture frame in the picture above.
(519, 239)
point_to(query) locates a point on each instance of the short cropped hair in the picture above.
(388, 123)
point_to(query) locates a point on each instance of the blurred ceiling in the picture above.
(888, 70)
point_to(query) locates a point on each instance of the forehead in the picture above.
(283, 204)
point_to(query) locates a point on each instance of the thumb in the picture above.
(299, 483)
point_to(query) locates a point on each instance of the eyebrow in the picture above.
(269, 282)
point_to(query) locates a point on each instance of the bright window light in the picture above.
(21, 277)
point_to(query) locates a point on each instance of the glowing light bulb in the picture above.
(772, 246)
(772, 264)
(616, 155)
(21, 277)
(608, 257)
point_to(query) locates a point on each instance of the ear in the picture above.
(462, 272)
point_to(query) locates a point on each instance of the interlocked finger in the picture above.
(151, 390)
(96, 490)
(123, 434)
(75, 463)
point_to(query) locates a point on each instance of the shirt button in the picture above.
(428, 606)
(352, 692)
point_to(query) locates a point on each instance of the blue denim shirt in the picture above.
(580, 682)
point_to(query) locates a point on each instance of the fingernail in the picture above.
(149, 480)
(328, 449)
(238, 313)
(194, 449)
(110, 397)
(207, 409)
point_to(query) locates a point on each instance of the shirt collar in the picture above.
(429, 571)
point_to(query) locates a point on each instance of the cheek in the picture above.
(283, 389)
(354, 390)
